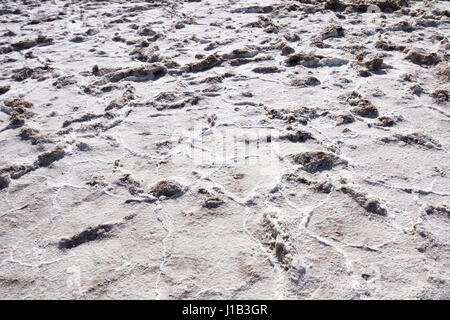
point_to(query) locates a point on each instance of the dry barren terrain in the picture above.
(224, 149)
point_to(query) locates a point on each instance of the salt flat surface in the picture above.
(214, 149)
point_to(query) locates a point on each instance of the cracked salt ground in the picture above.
(204, 150)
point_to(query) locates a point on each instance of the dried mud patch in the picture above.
(47, 158)
(143, 73)
(316, 161)
(423, 58)
(90, 234)
(204, 65)
(414, 138)
(167, 188)
(370, 204)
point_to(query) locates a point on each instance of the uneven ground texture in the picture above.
(221, 149)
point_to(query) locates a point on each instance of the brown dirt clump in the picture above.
(9, 33)
(23, 74)
(305, 82)
(206, 64)
(86, 117)
(134, 187)
(213, 203)
(373, 63)
(315, 161)
(389, 46)
(64, 82)
(296, 136)
(168, 188)
(366, 109)
(402, 26)
(371, 205)
(4, 89)
(240, 54)
(319, 186)
(415, 138)
(146, 31)
(364, 5)
(97, 71)
(34, 73)
(364, 73)
(443, 71)
(307, 60)
(271, 69)
(47, 158)
(275, 236)
(423, 58)
(287, 50)
(255, 9)
(18, 103)
(432, 209)
(440, 96)
(343, 118)
(385, 121)
(19, 111)
(333, 32)
(27, 133)
(16, 171)
(384, 5)
(172, 100)
(27, 44)
(145, 55)
(90, 234)
(335, 5)
(4, 182)
(362, 107)
(120, 102)
(143, 73)
(33, 135)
